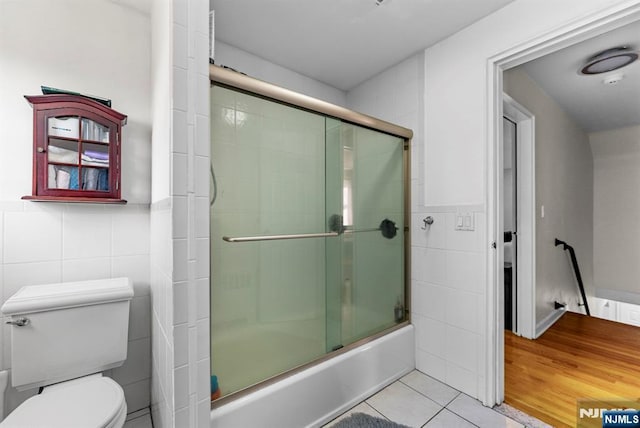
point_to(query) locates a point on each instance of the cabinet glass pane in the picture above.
(94, 131)
(62, 151)
(95, 179)
(63, 177)
(63, 126)
(95, 155)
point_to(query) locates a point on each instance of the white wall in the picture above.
(179, 214)
(616, 203)
(262, 69)
(446, 338)
(456, 146)
(61, 44)
(564, 185)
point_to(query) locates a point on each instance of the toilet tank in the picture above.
(72, 329)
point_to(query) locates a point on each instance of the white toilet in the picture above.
(63, 336)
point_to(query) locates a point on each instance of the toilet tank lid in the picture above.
(39, 298)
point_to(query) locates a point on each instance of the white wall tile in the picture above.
(131, 234)
(429, 300)
(180, 14)
(180, 306)
(430, 335)
(202, 217)
(32, 236)
(180, 174)
(179, 217)
(86, 269)
(137, 366)
(204, 413)
(181, 385)
(1, 236)
(462, 310)
(202, 262)
(202, 176)
(180, 89)
(140, 317)
(180, 345)
(137, 395)
(203, 141)
(428, 265)
(179, 132)
(180, 46)
(17, 275)
(86, 233)
(182, 418)
(180, 260)
(204, 380)
(135, 268)
(203, 339)
(462, 271)
(461, 347)
(202, 310)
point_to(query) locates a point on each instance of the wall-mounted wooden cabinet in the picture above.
(76, 150)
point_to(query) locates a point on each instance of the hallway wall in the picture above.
(616, 205)
(564, 186)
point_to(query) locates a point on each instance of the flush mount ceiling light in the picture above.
(609, 60)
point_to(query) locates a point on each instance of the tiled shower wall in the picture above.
(180, 213)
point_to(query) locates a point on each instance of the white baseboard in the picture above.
(548, 321)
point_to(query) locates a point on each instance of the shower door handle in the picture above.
(279, 237)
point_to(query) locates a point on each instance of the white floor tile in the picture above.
(473, 411)
(139, 422)
(430, 387)
(403, 405)
(360, 408)
(446, 419)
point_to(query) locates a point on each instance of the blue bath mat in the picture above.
(362, 420)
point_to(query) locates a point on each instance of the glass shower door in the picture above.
(365, 203)
(268, 312)
(307, 236)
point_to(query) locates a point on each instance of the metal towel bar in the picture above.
(279, 237)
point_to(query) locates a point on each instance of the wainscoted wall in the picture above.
(45, 243)
(445, 295)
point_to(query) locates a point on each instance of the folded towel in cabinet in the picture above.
(93, 154)
(61, 155)
(90, 179)
(103, 180)
(62, 179)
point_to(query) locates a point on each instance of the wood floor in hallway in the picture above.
(579, 357)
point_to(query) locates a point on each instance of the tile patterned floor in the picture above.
(420, 401)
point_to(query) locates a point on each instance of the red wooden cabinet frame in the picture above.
(76, 150)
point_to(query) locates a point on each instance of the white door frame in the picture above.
(525, 299)
(581, 29)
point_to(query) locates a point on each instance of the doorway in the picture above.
(510, 248)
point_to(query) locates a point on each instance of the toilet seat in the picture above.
(89, 402)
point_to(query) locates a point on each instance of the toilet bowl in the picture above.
(88, 402)
(62, 337)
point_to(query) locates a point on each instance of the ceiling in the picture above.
(592, 104)
(342, 42)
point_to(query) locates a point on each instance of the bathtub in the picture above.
(318, 394)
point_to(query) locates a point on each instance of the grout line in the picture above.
(452, 400)
(425, 396)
